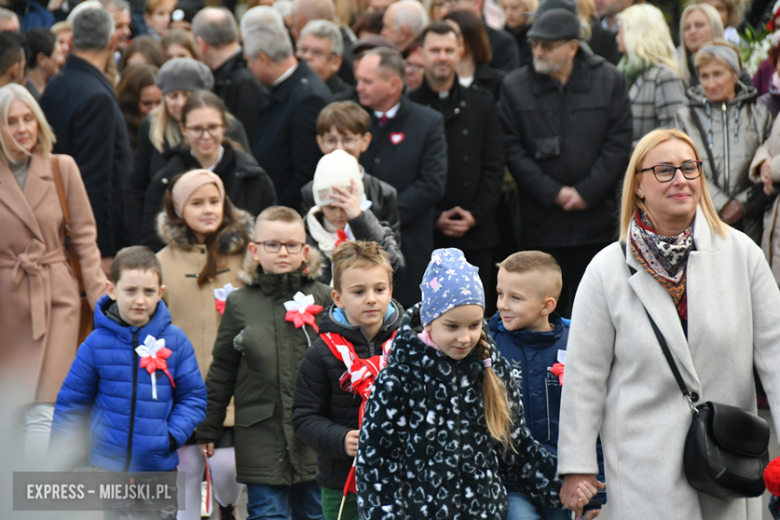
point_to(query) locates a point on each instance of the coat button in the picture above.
(281, 459)
(465, 131)
(457, 111)
(164, 180)
(463, 103)
(304, 81)
(466, 159)
(465, 184)
(694, 397)
(377, 160)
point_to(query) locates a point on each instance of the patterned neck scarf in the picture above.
(664, 258)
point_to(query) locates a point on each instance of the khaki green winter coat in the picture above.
(256, 359)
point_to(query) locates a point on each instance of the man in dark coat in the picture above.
(409, 151)
(285, 142)
(465, 217)
(82, 109)
(216, 35)
(567, 121)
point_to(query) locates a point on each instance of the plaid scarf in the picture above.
(664, 258)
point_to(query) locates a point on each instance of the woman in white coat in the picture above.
(710, 291)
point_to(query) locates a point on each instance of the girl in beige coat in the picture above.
(40, 306)
(207, 238)
(710, 291)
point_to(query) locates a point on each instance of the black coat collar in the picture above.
(78, 64)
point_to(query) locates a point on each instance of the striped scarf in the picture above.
(664, 258)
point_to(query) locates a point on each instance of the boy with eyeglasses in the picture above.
(266, 330)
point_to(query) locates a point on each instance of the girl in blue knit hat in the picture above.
(444, 424)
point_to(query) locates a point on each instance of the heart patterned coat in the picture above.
(425, 451)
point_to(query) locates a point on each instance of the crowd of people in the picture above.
(330, 251)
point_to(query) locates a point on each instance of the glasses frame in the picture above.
(699, 164)
(286, 245)
(202, 129)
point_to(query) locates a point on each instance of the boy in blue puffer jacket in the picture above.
(532, 337)
(140, 409)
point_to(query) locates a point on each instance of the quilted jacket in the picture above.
(425, 451)
(130, 430)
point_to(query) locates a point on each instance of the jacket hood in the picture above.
(698, 98)
(229, 239)
(252, 273)
(335, 320)
(408, 349)
(529, 338)
(160, 319)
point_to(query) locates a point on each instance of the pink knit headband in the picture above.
(191, 181)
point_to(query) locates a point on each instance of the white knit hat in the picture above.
(337, 168)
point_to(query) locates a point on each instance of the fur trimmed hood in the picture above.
(251, 272)
(229, 240)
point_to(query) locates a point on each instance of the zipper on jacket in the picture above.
(547, 397)
(132, 406)
(724, 109)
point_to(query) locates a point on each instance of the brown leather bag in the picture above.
(85, 320)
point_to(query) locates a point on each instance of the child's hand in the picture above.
(208, 449)
(347, 200)
(351, 442)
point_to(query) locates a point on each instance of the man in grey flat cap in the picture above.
(568, 131)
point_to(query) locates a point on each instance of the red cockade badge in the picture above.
(220, 296)
(557, 369)
(301, 311)
(153, 354)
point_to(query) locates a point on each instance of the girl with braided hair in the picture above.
(443, 427)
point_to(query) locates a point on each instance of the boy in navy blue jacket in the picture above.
(533, 337)
(135, 377)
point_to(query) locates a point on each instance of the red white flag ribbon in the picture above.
(221, 295)
(301, 311)
(153, 354)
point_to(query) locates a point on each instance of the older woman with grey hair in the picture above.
(699, 25)
(41, 304)
(728, 126)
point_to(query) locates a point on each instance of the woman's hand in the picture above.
(576, 489)
(347, 200)
(351, 442)
(731, 212)
(765, 172)
(208, 449)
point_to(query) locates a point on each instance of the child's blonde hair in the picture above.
(498, 412)
(359, 255)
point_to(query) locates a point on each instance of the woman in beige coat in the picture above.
(712, 295)
(40, 305)
(206, 239)
(765, 169)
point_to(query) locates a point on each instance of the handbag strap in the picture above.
(73, 258)
(665, 347)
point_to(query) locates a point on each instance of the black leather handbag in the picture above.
(727, 448)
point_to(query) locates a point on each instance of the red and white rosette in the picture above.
(153, 354)
(221, 295)
(301, 311)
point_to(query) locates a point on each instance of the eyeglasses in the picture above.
(414, 67)
(272, 246)
(197, 131)
(544, 45)
(345, 141)
(316, 53)
(666, 172)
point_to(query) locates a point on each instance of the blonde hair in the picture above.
(163, 129)
(717, 32)
(631, 202)
(359, 255)
(46, 138)
(498, 412)
(736, 10)
(540, 263)
(586, 13)
(647, 37)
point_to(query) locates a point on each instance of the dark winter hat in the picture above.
(371, 41)
(546, 5)
(186, 10)
(184, 74)
(449, 282)
(555, 24)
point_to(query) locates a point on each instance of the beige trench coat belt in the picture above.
(30, 263)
